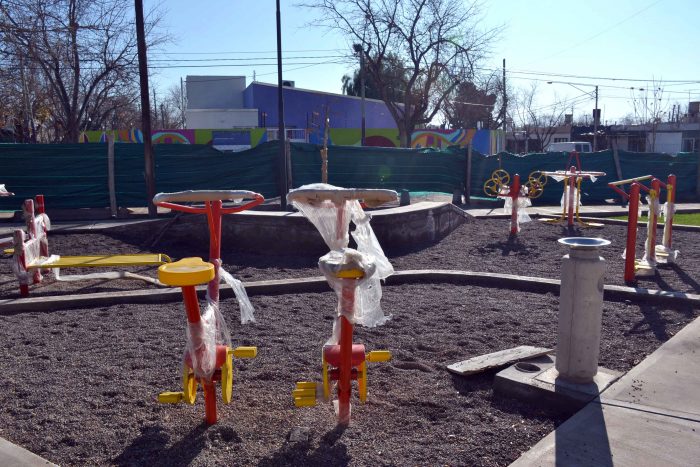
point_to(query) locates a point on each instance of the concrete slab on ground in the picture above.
(12, 455)
(650, 416)
(603, 436)
(667, 380)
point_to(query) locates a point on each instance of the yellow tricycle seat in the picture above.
(186, 272)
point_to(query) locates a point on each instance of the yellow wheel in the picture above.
(502, 176)
(227, 378)
(326, 380)
(189, 385)
(492, 187)
(534, 189)
(537, 176)
(362, 382)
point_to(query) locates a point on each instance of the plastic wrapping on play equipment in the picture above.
(523, 202)
(369, 256)
(247, 310)
(204, 337)
(653, 207)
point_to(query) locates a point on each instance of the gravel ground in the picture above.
(481, 245)
(81, 384)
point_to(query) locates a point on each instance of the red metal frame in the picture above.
(514, 193)
(214, 210)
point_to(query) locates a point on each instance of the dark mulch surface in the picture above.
(79, 386)
(481, 245)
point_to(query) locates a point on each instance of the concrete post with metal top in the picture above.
(580, 309)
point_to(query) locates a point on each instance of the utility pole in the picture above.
(182, 105)
(595, 122)
(505, 100)
(284, 157)
(359, 48)
(145, 110)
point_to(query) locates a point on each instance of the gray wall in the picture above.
(215, 92)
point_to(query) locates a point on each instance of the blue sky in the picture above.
(615, 44)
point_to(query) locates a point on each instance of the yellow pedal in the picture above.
(379, 356)
(304, 401)
(170, 397)
(9, 251)
(245, 352)
(304, 393)
(307, 385)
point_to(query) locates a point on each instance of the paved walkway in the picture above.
(650, 417)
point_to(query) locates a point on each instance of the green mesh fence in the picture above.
(76, 176)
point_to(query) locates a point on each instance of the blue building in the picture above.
(225, 102)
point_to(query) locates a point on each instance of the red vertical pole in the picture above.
(347, 305)
(630, 250)
(572, 196)
(21, 258)
(214, 218)
(209, 401)
(514, 194)
(40, 204)
(32, 233)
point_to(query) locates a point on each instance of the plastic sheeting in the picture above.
(332, 219)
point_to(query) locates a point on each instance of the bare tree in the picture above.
(649, 110)
(83, 54)
(538, 121)
(419, 41)
(471, 106)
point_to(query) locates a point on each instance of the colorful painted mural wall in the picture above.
(483, 141)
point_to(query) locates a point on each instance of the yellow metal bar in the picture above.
(89, 261)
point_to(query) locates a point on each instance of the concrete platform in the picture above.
(649, 417)
(12, 455)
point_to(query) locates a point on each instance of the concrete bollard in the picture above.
(580, 309)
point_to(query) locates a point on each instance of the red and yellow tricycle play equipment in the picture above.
(653, 253)
(355, 276)
(208, 355)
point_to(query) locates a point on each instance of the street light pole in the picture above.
(595, 122)
(282, 133)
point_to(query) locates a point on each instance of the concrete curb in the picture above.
(318, 284)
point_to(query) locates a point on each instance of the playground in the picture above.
(82, 383)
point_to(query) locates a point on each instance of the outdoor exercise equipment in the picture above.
(647, 265)
(31, 254)
(355, 276)
(571, 199)
(208, 356)
(517, 197)
(665, 252)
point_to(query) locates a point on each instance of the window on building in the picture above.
(561, 140)
(689, 145)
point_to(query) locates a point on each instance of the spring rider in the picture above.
(208, 356)
(354, 275)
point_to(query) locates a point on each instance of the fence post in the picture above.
(468, 181)
(110, 174)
